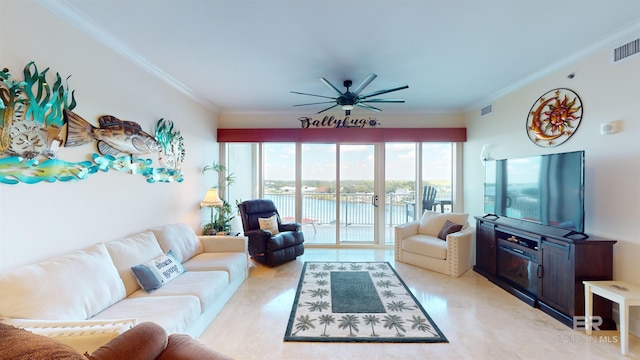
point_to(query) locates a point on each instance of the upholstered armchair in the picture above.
(437, 242)
(271, 242)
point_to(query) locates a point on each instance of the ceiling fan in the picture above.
(349, 99)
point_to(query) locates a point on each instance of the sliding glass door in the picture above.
(338, 193)
(278, 178)
(400, 186)
(358, 202)
(319, 183)
(344, 194)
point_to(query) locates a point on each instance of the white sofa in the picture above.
(90, 296)
(417, 243)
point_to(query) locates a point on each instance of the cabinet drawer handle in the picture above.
(539, 271)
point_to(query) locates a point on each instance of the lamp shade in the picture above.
(211, 199)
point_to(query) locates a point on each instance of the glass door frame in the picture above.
(374, 239)
(375, 199)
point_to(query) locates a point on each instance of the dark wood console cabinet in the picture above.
(561, 266)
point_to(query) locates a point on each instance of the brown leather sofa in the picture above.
(264, 246)
(145, 341)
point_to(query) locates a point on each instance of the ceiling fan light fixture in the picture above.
(348, 99)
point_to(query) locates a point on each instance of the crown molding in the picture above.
(626, 33)
(80, 20)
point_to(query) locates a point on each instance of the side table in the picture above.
(621, 292)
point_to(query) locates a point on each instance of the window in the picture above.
(303, 179)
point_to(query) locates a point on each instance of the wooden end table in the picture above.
(621, 292)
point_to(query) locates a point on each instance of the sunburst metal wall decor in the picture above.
(554, 117)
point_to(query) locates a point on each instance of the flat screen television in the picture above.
(544, 189)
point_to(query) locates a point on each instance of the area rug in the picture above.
(357, 302)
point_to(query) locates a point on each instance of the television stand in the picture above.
(555, 267)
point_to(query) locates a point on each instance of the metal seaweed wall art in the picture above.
(32, 113)
(36, 120)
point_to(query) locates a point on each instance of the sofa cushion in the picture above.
(448, 228)
(269, 224)
(235, 264)
(154, 273)
(431, 221)
(18, 344)
(425, 245)
(205, 285)
(173, 313)
(181, 239)
(131, 251)
(72, 287)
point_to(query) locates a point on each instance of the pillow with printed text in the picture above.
(152, 274)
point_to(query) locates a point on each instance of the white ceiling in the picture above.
(247, 55)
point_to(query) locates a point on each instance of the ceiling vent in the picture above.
(486, 110)
(626, 50)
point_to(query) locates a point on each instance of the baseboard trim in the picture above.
(634, 324)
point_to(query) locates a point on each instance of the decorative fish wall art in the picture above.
(114, 136)
(36, 121)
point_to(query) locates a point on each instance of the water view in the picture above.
(355, 224)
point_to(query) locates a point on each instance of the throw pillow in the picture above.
(270, 224)
(431, 221)
(448, 228)
(153, 274)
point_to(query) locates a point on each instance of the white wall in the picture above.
(42, 220)
(609, 92)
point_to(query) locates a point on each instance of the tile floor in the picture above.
(480, 320)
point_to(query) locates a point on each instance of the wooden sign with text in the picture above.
(333, 122)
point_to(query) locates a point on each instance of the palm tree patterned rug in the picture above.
(357, 302)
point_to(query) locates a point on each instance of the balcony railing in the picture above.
(355, 209)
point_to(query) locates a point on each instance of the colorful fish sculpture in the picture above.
(114, 136)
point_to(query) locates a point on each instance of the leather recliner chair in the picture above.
(264, 247)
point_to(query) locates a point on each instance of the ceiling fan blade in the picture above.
(384, 100)
(380, 92)
(301, 93)
(368, 107)
(330, 107)
(364, 83)
(315, 103)
(330, 85)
